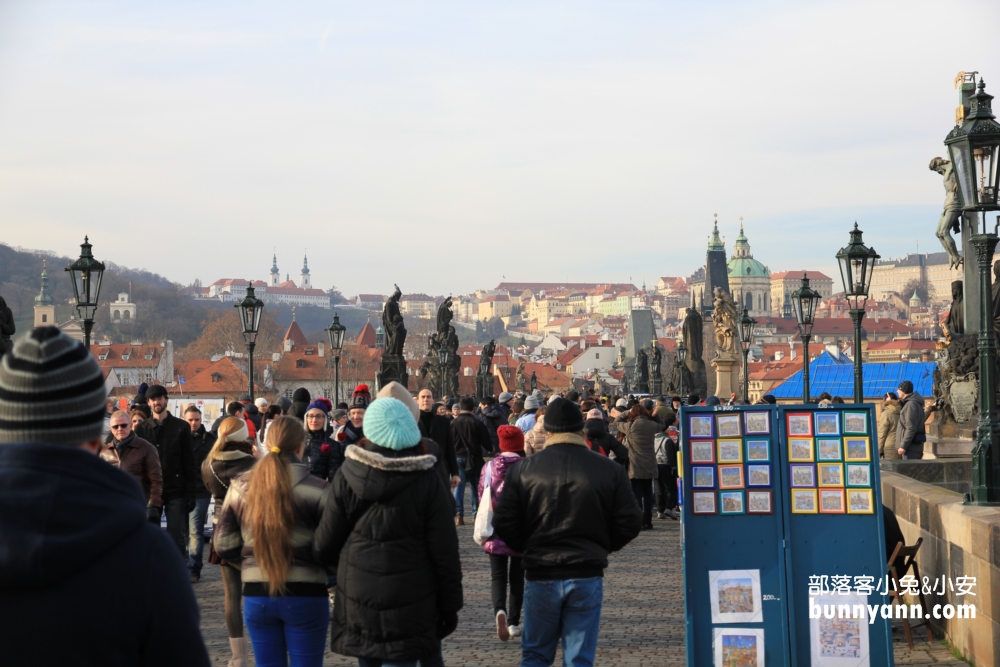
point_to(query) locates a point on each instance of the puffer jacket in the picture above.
(233, 538)
(324, 453)
(140, 460)
(887, 423)
(235, 459)
(910, 434)
(498, 468)
(534, 440)
(565, 509)
(639, 437)
(389, 528)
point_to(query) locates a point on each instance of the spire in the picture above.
(44, 298)
(716, 241)
(305, 265)
(274, 263)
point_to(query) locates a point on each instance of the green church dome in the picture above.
(742, 264)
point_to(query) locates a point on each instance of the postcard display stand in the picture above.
(773, 496)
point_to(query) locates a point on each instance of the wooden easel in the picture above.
(909, 554)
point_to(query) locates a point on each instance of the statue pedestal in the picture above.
(392, 369)
(727, 376)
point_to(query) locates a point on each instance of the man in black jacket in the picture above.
(438, 429)
(564, 509)
(472, 441)
(77, 549)
(172, 438)
(201, 444)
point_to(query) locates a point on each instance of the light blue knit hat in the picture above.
(390, 424)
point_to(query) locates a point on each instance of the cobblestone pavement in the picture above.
(642, 622)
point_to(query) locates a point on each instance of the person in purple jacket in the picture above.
(508, 617)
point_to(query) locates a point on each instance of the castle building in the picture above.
(749, 280)
(122, 310)
(274, 291)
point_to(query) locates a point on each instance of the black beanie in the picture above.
(563, 416)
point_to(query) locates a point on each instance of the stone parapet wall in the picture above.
(958, 541)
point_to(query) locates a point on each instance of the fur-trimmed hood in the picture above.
(377, 473)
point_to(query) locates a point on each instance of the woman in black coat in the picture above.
(388, 525)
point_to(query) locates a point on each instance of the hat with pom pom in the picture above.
(388, 423)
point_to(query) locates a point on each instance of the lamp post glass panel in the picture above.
(250, 309)
(86, 274)
(856, 262)
(974, 148)
(746, 340)
(335, 332)
(804, 301)
(682, 355)
(442, 369)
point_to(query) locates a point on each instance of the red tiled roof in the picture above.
(116, 353)
(367, 336)
(295, 334)
(221, 377)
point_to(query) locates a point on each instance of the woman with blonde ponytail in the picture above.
(267, 523)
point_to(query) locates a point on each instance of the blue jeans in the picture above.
(176, 514)
(459, 491)
(569, 609)
(196, 535)
(287, 627)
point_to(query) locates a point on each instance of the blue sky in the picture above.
(444, 145)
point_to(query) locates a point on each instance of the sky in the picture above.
(447, 146)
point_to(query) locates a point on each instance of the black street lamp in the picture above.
(86, 274)
(975, 148)
(804, 301)
(380, 338)
(857, 261)
(746, 340)
(335, 332)
(443, 357)
(250, 309)
(682, 355)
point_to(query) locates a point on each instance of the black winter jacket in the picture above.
(597, 432)
(388, 525)
(565, 509)
(323, 464)
(495, 416)
(201, 443)
(472, 440)
(253, 414)
(440, 432)
(85, 580)
(218, 474)
(172, 439)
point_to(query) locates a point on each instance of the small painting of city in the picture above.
(736, 596)
(857, 475)
(839, 638)
(757, 450)
(739, 650)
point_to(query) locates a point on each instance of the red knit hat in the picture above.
(511, 439)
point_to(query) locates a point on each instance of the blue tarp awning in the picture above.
(835, 376)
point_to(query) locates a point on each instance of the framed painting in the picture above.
(859, 501)
(730, 451)
(831, 501)
(759, 502)
(702, 451)
(828, 449)
(859, 474)
(802, 475)
(759, 474)
(857, 449)
(701, 426)
(703, 477)
(757, 423)
(758, 450)
(855, 423)
(731, 502)
(804, 501)
(800, 450)
(703, 502)
(731, 477)
(799, 424)
(728, 426)
(827, 423)
(830, 474)
(738, 646)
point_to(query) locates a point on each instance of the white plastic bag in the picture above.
(483, 529)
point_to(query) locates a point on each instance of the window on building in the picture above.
(45, 318)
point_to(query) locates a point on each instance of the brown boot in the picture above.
(459, 520)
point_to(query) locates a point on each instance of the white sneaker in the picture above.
(514, 631)
(502, 632)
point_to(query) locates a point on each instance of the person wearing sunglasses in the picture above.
(137, 457)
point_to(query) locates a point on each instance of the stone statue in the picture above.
(725, 317)
(486, 360)
(641, 371)
(951, 216)
(955, 324)
(534, 381)
(655, 360)
(7, 328)
(444, 315)
(695, 373)
(520, 382)
(392, 324)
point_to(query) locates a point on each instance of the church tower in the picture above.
(716, 271)
(304, 282)
(45, 310)
(275, 276)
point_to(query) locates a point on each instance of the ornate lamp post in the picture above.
(443, 356)
(335, 332)
(250, 309)
(746, 340)
(86, 274)
(380, 338)
(857, 261)
(682, 355)
(804, 301)
(974, 148)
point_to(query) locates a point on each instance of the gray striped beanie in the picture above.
(51, 390)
